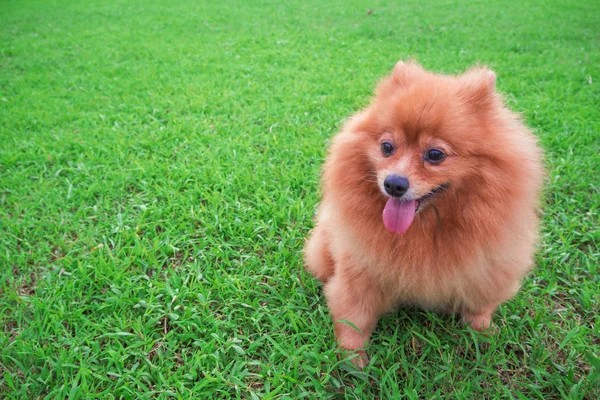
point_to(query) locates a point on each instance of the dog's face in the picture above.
(412, 171)
(424, 135)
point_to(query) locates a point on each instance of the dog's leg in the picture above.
(356, 303)
(318, 256)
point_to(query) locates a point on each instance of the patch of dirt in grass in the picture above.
(27, 283)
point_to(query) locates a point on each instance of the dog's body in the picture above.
(457, 177)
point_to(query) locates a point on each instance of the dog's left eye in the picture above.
(387, 148)
(435, 156)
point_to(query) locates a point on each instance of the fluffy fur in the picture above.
(469, 246)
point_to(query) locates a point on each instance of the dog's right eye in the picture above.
(387, 148)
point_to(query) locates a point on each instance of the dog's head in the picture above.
(426, 137)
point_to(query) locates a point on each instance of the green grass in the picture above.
(159, 170)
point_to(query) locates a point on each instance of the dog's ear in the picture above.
(479, 87)
(406, 72)
(490, 78)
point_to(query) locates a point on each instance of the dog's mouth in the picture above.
(434, 192)
(398, 214)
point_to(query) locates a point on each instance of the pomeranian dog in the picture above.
(430, 199)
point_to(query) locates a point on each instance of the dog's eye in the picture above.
(434, 156)
(387, 148)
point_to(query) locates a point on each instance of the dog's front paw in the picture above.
(478, 321)
(359, 359)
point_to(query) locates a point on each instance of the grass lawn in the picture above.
(159, 166)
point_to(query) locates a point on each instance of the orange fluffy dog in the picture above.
(430, 198)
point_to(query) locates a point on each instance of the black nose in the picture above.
(395, 185)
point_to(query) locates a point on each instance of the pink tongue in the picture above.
(397, 216)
